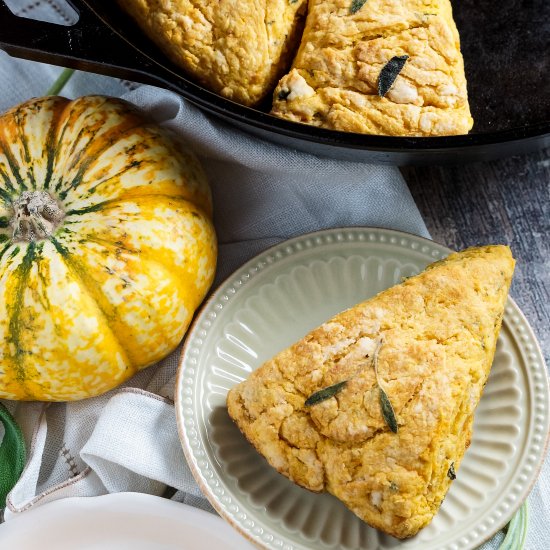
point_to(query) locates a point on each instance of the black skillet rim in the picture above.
(134, 62)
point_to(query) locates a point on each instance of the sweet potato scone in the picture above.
(376, 405)
(336, 81)
(237, 48)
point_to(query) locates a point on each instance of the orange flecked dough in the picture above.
(334, 78)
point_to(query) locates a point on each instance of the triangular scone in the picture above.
(238, 49)
(438, 332)
(333, 82)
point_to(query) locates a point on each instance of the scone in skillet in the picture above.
(376, 405)
(237, 48)
(334, 82)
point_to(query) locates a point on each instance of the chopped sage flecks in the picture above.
(325, 393)
(356, 5)
(390, 71)
(451, 474)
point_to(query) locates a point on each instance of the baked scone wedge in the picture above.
(335, 75)
(428, 343)
(237, 48)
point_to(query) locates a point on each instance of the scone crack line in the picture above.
(400, 377)
(414, 395)
(353, 40)
(357, 445)
(285, 440)
(415, 20)
(384, 33)
(334, 361)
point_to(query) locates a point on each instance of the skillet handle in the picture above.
(88, 45)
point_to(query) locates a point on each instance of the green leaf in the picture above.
(356, 5)
(12, 454)
(325, 393)
(390, 71)
(385, 403)
(387, 411)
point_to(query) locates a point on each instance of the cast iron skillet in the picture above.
(506, 45)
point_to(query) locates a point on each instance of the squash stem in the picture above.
(59, 84)
(36, 216)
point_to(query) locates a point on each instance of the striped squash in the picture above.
(106, 246)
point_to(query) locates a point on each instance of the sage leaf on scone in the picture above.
(283, 94)
(356, 5)
(390, 71)
(324, 394)
(387, 411)
(385, 403)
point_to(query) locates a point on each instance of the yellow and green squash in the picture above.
(106, 246)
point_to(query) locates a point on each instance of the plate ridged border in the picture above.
(213, 487)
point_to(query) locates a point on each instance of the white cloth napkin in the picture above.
(127, 440)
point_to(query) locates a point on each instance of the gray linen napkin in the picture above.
(263, 194)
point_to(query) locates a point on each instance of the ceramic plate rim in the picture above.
(117, 505)
(512, 316)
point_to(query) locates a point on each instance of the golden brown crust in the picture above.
(333, 82)
(439, 332)
(237, 48)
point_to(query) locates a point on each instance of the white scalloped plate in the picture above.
(271, 302)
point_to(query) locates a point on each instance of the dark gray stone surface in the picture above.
(505, 201)
(505, 46)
